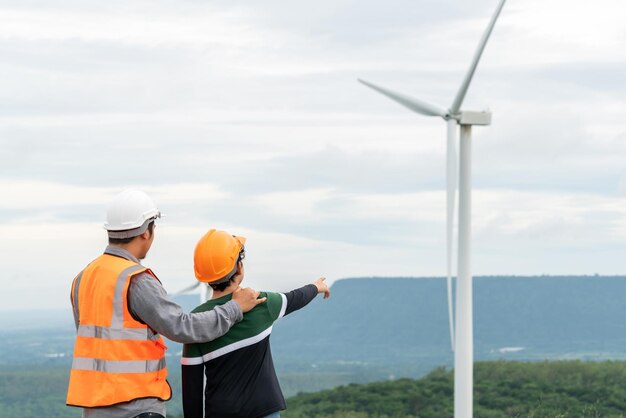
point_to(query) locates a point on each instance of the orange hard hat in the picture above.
(216, 255)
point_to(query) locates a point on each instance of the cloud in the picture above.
(248, 116)
(139, 24)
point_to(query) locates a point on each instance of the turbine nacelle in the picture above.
(471, 117)
(474, 118)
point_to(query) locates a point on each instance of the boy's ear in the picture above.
(239, 268)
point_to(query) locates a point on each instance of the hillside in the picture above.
(377, 328)
(400, 321)
(394, 320)
(502, 389)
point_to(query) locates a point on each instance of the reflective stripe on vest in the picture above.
(116, 358)
(118, 299)
(118, 366)
(108, 333)
(116, 331)
(75, 298)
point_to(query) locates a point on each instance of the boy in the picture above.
(240, 376)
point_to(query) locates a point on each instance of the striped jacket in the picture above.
(240, 376)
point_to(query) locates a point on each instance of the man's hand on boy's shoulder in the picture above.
(322, 287)
(247, 298)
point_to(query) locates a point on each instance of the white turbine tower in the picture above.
(462, 339)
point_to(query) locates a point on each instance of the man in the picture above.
(240, 377)
(121, 310)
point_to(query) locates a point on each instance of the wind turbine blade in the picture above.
(458, 100)
(187, 289)
(451, 176)
(409, 102)
(205, 294)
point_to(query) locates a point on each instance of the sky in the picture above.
(247, 116)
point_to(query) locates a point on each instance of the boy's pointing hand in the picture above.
(322, 287)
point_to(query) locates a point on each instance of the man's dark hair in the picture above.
(220, 287)
(118, 241)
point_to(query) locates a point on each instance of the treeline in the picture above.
(571, 389)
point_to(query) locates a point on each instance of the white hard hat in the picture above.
(129, 214)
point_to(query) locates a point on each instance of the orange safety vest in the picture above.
(116, 358)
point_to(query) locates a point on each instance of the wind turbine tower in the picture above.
(462, 337)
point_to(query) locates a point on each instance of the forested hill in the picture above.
(568, 389)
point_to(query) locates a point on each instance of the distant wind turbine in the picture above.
(462, 340)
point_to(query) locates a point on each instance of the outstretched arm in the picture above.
(149, 303)
(299, 298)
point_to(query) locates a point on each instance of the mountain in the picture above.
(403, 322)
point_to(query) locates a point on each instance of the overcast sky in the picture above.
(247, 116)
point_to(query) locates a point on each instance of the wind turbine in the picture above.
(462, 339)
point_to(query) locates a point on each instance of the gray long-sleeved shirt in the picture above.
(148, 302)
